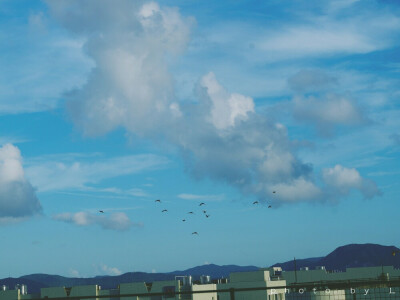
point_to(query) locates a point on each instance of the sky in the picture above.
(111, 105)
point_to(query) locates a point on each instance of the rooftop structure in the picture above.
(264, 284)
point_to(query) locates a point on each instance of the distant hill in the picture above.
(37, 281)
(353, 255)
(350, 256)
(33, 286)
(215, 271)
(306, 262)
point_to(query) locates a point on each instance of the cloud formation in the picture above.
(201, 197)
(112, 271)
(130, 85)
(245, 149)
(17, 196)
(307, 80)
(221, 136)
(343, 180)
(328, 111)
(226, 108)
(73, 172)
(116, 221)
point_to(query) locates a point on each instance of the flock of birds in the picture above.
(192, 213)
(269, 206)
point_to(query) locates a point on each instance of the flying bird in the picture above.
(164, 210)
(269, 206)
(255, 202)
(183, 220)
(202, 203)
(207, 216)
(158, 200)
(101, 211)
(195, 233)
(204, 211)
(190, 212)
(274, 192)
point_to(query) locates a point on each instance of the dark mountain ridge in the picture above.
(349, 256)
(353, 255)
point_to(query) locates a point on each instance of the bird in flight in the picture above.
(183, 220)
(204, 211)
(255, 202)
(190, 212)
(207, 216)
(269, 206)
(101, 211)
(195, 233)
(158, 200)
(202, 203)
(274, 192)
(164, 210)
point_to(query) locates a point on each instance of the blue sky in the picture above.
(110, 105)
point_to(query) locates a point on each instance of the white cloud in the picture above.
(130, 85)
(74, 273)
(335, 5)
(225, 108)
(251, 155)
(115, 221)
(201, 197)
(311, 80)
(298, 41)
(17, 196)
(30, 74)
(112, 271)
(327, 111)
(136, 192)
(345, 179)
(221, 136)
(299, 189)
(70, 173)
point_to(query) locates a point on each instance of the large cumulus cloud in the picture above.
(130, 43)
(17, 196)
(221, 136)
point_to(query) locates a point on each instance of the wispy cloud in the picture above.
(116, 221)
(113, 271)
(74, 273)
(31, 80)
(201, 197)
(62, 174)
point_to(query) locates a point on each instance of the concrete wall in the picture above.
(82, 290)
(133, 288)
(204, 296)
(9, 295)
(349, 274)
(140, 288)
(257, 279)
(261, 275)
